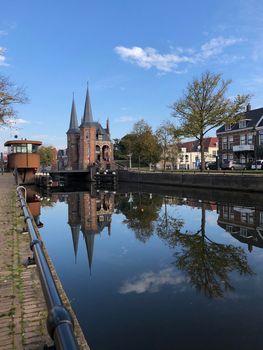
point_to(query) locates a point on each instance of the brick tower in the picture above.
(87, 141)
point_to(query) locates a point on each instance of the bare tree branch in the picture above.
(10, 95)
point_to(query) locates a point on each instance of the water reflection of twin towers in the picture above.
(90, 215)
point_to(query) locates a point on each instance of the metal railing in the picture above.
(59, 321)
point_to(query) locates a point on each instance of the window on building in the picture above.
(251, 218)
(34, 148)
(181, 159)
(242, 123)
(225, 212)
(261, 139)
(249, 139)
(224, 157)
(242, 159)
(228, 127)
(242, 139)
(230, 156)
(231, 213)
(23, 148)
(244, 217)
(224, 143)
(186, 158)
(230, 142)
(243, 231)
(214, 153)
(261, 218)
(229, 228)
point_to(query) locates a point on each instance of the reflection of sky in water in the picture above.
(135, 297)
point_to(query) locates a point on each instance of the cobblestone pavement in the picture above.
(22, 306)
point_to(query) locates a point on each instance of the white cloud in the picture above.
(3, 32)
(152, 282)
(2, 57)
(21, 121)
(150, 58)
(124, 119)
(16, 121)
(216, 46)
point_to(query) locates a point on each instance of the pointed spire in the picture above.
(108, 126)
(87, 116)
(109, 228)
(89, 239)
(73, 125)
(75, 229)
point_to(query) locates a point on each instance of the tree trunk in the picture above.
(202, 150)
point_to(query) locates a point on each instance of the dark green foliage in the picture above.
(142, 144)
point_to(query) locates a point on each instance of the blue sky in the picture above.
(138, 57)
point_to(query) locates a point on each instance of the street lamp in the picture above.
(129, 155)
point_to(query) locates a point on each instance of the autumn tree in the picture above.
(168, 139)
(204, 106)
(10, 95)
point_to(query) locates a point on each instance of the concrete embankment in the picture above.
(23, 310)
(239, 198)
(221, 181)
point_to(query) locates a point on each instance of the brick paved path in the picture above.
(22, 305)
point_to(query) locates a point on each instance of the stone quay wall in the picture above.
(223, 181)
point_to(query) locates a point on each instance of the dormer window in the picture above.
(242, 123)
(228, 127)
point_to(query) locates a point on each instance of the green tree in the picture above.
(141, 144)
(145, 147)
(168, 139)
(204, 107)
(118, 150)
(10, 95)
(126, 144)
(46, 154)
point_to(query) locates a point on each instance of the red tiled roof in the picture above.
(192, 146)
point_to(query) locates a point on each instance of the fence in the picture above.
(59, 321)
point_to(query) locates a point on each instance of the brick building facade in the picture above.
(89, 143)
(242, 141)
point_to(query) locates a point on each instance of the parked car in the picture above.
(258, 164)
(233, 165)
(211, 165)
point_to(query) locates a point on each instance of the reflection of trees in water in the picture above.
(208, 264)
(141, 213)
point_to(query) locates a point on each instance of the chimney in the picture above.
(248, 107)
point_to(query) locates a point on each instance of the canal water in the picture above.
(158, 268)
